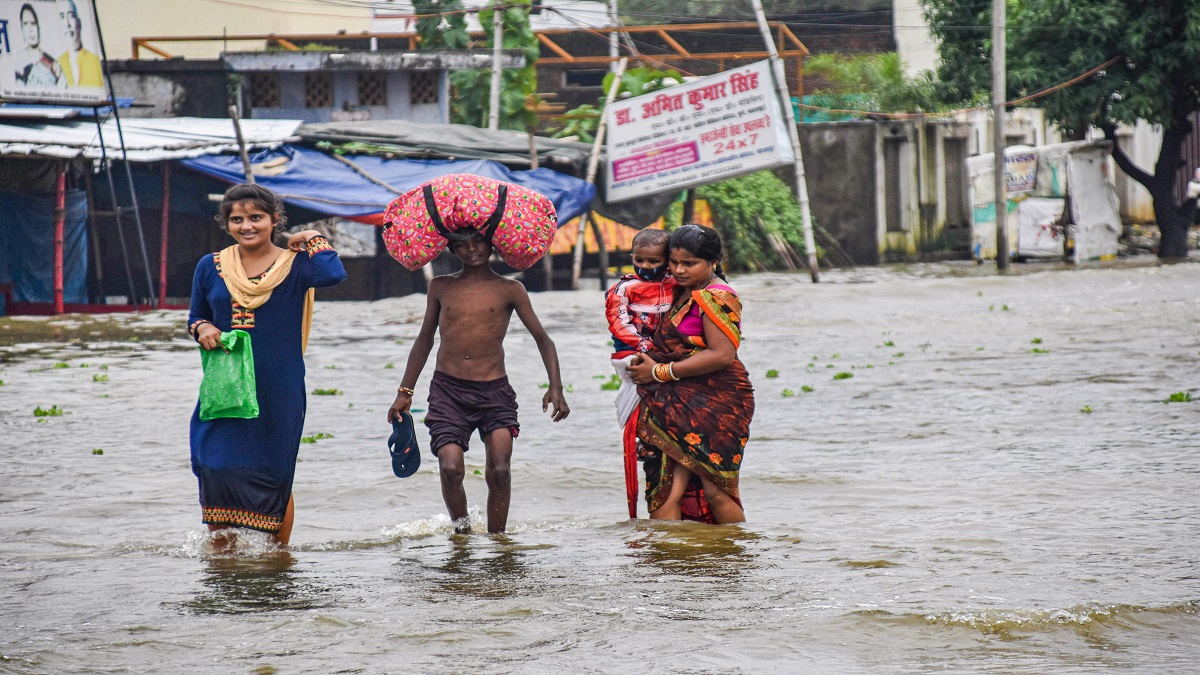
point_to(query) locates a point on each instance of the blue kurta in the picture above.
(245, 466)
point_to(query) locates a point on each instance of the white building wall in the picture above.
(914, 43)
(122, 20)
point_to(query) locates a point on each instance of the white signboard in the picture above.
(49, 52)
(700, 132)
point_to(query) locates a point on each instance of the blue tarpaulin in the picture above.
(314, 180)
(27, 240)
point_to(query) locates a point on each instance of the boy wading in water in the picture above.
(469, 390)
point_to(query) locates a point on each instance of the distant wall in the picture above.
(174, 88)
(839, 164)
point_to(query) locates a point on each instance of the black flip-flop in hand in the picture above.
(402, 445)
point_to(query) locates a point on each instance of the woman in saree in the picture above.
(245, 466)
(696, 394)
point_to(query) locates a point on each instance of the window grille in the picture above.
(423, 87)
(264, 90)
(372, 88)
(318, 90)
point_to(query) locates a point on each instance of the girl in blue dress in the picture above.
(245, 466)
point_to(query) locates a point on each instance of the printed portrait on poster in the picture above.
(49, 52)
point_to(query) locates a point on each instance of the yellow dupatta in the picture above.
(253, 295)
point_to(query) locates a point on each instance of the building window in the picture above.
(584, 78)
(372, 88)
(264, 90)
(318, 90)
(423, 87)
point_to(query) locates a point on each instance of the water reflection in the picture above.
(693, 550)
(241, 585)
(482, 567)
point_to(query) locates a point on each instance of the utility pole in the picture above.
(999, 19)
(497, 54)
(785, 102)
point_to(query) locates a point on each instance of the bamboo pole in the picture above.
(241, 141)
(593, 164)
(60, 216)
(785, 103)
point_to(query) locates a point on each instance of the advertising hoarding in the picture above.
(704, 131)
(49, 52)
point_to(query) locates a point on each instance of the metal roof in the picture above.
(146, 140)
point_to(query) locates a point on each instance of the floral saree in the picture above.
(702, 422)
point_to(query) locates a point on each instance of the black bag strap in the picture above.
(488, 230)
(431, 207)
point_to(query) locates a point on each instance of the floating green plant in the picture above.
(97, 451)
(787, 393)
(99, 378)
(1036, 341)
(331, 367)
(389, 366)
(327, 392)
(898, 355)
(1039, 350)
(772, 373)
(83, 365)
(315, 437)
(613, 384)
(1179, 397)
(52, 411)
(62, 364)
(1087, 410)
(843, 376)
(807, 389)
(889, 343)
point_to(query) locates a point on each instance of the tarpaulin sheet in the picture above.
(314, 180)
(27, 246)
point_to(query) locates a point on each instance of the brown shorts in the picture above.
(457, 407)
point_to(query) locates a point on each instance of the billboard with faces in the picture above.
(50, 52)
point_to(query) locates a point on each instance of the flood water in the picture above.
(998, 488)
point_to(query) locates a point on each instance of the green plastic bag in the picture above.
(228, 388)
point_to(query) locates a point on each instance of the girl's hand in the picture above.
(298, 241)
(641, 369)
(209, 336)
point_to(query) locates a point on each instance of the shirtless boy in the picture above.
(470, 310)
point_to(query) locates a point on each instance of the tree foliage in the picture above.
(583, 121)
(1155, 77)
(443, 26)
(870, 82)
(747, 211)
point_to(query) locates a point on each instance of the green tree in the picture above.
(518, 86)
(1049, 41)
(442, 24)
(582, 121)
(870, 82)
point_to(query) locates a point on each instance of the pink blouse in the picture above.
(692, 323)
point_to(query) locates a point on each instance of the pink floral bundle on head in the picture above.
(519, 222)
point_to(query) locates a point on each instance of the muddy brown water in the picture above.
(997, 486)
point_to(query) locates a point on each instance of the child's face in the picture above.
(649, 257)
(473, 252)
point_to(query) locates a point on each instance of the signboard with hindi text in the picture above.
(700, 132)
(49, 52)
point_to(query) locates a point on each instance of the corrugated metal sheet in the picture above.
(146, 140)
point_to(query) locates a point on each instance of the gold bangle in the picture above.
(406, 390)
(660, 372)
